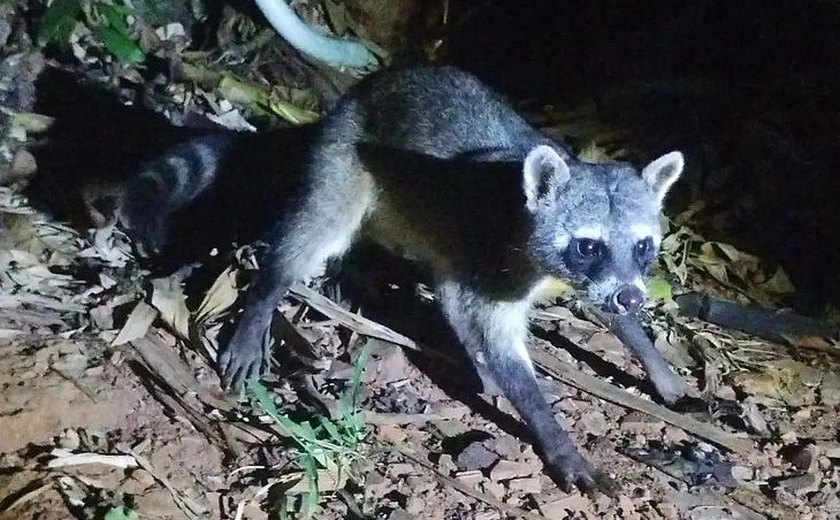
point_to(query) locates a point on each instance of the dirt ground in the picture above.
(110, 406)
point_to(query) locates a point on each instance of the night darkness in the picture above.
(747, 89)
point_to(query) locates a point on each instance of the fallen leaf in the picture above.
(138, 323)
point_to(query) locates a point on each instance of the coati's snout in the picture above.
(626, 300)
(598, 224)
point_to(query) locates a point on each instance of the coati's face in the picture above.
(598, 224)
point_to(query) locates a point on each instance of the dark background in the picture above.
(748, 90)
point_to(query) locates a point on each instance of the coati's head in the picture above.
(598, 223)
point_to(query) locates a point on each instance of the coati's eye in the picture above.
(588, 248)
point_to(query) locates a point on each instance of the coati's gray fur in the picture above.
(430, 162)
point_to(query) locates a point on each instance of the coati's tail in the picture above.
(102, 160)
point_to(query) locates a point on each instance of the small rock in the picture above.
(445, 464)
(830, 389)
(399, 514)
(726, 392)
(420, 484)
(800, 485)
(569, 407)
(830, 449)
(506, 470)
(401, 469)
(571, 504)
(470, 478)
(493, 488)
(641, 424)
(488, 515)
(392, 366)
(139, 481)
(505, 406)
(102, 317)
(449, 428)
(594, 423)
(374, 478)
(675, 436)
(475, 456)
(23, 164)
(668, 511)
(628, 508)
(508, 447)
(742, 473)
(392, 433)
(526, 485)
(802, 457)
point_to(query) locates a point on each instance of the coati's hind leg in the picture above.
(494, 334)
(322, 227)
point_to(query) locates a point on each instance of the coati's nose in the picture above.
(627, 299)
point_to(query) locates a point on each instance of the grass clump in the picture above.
(323, 446)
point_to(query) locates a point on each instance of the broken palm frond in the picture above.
(333, 51)
(354, 322)
(267, 101)
(64, 458)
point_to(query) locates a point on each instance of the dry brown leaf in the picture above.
(138, 323)
(169, 299)
(221, 296)
(785, 380)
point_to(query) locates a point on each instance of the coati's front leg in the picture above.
(494, 334)
(246, 354)
(320, 226)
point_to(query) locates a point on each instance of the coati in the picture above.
(430, 162)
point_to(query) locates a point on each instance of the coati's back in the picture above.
(438, 111)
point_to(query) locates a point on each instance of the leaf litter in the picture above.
(105, 370)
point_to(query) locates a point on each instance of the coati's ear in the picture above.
(662, 173)
(543, 172)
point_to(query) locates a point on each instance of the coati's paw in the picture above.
(670, 386)
(242, 358)
(571, 469)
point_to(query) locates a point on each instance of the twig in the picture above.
(188, 506)
(334, 51)
(352, 321)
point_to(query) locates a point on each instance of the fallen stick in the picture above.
(758, 321)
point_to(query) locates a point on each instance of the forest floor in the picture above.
(110, 406)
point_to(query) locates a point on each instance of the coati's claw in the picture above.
(242, 359)
(572, 470)
(671, 387)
